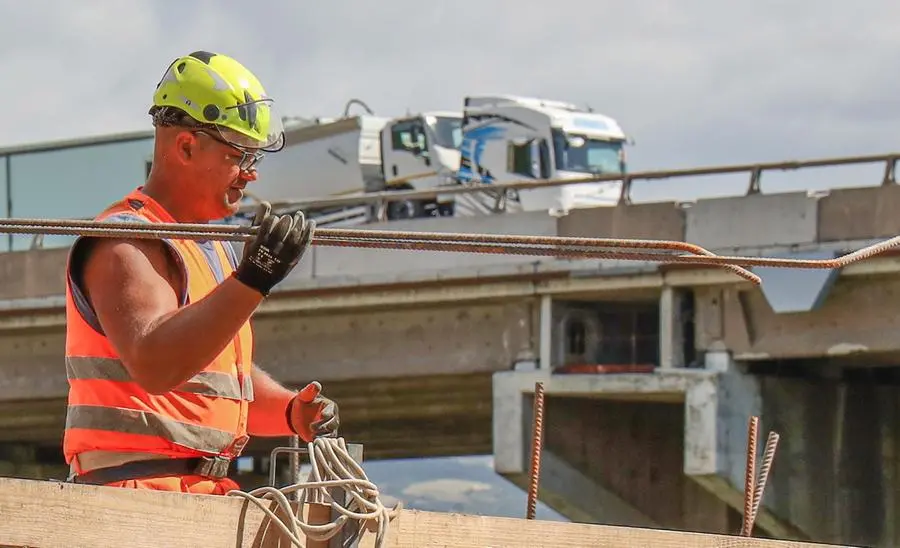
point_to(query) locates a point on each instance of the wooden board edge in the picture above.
(48, 514)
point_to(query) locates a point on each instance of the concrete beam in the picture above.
(340, 262)
(650, 221)
(509, 387)
(757, 220)
(47, 311)
(716, 409)
(858, 317)
(841, 214)
(32, 293)
(396, 342)
(372, 344)
(859, 213)
(363, 298)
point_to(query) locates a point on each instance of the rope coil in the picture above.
(332, 466)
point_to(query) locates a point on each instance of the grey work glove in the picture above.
(279, 244)
(312, 415)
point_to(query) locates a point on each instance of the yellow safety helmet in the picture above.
(216, 90)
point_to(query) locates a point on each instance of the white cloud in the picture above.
(446, 490)
(388, 501)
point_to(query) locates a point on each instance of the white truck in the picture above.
(353, 155)
(495, 138)
(507, 137)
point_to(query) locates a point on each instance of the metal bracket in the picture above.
(347, 537)
(355, 450)
(273, 461)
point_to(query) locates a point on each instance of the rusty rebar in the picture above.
(555, 246)
(764, 469)
(537, 442)
(750, 475)
(663, 251)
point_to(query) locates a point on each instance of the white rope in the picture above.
(332, 466)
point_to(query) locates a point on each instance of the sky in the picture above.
(694, 82)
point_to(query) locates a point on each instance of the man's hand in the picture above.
(279, 244)
(312, 415)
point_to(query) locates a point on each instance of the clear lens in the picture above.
(258, 124)
(251, 159)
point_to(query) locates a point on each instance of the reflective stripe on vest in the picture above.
(207, 383)
(108, 411)
(132, 421)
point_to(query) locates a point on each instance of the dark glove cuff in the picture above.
(288, 415)
(249, 283)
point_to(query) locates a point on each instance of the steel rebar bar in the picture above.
(750, 476)
(663, 251)
(762, 480)
(537, 443)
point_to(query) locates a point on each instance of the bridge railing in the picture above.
(754, 172)
(379, 200)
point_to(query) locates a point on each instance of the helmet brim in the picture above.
(255, 125)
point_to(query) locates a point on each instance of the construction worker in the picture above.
(159, 349)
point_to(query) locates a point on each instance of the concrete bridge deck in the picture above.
(412, 344)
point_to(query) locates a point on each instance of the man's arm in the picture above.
(131, 285)
(268, 410)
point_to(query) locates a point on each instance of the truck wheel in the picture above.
(407, 209)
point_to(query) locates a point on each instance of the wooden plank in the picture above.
(43, 514)
(414, 529)
(49, 514)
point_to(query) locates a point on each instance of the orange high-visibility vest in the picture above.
(108, 410)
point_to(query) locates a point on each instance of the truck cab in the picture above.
(421, 152)
(353, 155)
(510, 138)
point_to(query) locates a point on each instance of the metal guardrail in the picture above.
(380, 199)
(754, 170)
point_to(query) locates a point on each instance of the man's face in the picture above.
(220, 175)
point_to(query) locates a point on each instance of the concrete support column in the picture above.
(671, 345)
(545, 359)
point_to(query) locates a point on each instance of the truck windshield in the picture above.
(447, 131)
(585, 155)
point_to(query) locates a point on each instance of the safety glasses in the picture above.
(249, 158)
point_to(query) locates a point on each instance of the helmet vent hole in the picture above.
(203, 56)
(210, 112)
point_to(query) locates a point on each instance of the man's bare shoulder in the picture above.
(116, 260)
(129, 273)
(131, 286)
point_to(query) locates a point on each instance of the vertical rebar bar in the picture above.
(765, 467)
(537, 442)
(750, 477)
